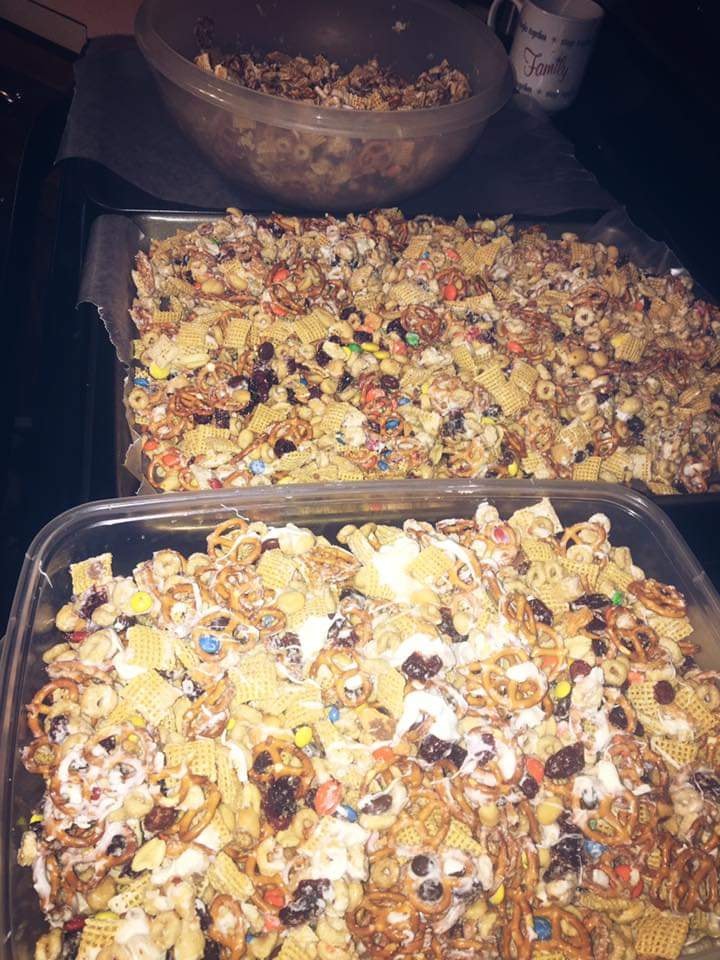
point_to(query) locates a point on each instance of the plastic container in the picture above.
(320, 158)
(131, 529)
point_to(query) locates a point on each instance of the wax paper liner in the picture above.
(114, 241)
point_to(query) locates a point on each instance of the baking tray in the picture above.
(115, 239)
(131, 529)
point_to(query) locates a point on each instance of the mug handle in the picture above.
(495, 8)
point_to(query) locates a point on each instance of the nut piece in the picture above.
(150, 855)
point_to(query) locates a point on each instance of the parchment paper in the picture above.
(521, 164)
(115, 240)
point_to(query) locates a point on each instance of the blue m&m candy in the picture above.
(209, 643)
(593, 848)
(333, 714)
(542, 928)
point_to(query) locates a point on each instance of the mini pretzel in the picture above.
(506, 693)
(423, 321)
(227, 926)
(661, 598)
(344, 666)
(427, 814)
(229, 629)
(385, 923)
(293, 429)
(616, 819)
(39, 705)
(586, 534)
(192, 822)
(224, 540)
(638, 641)
(285, 760)
(686, 879)
(239, 587)
(517, 609)
(209, 714)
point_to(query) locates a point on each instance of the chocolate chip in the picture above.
(420, 865)
(266, 351)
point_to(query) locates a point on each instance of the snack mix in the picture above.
(284, 350)
(475, 739)
(366, 86)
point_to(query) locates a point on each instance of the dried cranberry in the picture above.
(314, 391)
(542, 613)
(457, 755)
(259, 384)
(236, 382)
(569, 851)
(487, 751)
(362, 336)
(639, 730)
(291, 365)
(58, 729)
(346, 313)
(164, 304)
(276, 229)
(454, 424)
(599, 647)
(108, 744)
(159, 819)
(202, 914)
(433, 749)
(222, 418)
(618, 718)
(272, 543)
(73, 924)
(420, 865)
(379, 804)
(664, 692)
(388, 382)
(430, 891)
(282, 446)
(558, 336)
(191, 688)
(417, 667)
(635, 425)
(116, 846)
(566, 762)
(492, 411)
(201, 419)
(396, 327)
(96, 598)
(706, 784)
(529, 787)
(447, 626)
(280, 803)
(579, 668)
(561, 710)
(262, 761)
(596, 601)
(211, 950)
(266, 351)
(688, 664)
(307, 903)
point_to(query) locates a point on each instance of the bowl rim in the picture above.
(279, 111)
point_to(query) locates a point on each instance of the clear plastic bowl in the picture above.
(133, 528)
(320, 158)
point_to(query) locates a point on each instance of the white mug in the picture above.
(551, 47)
